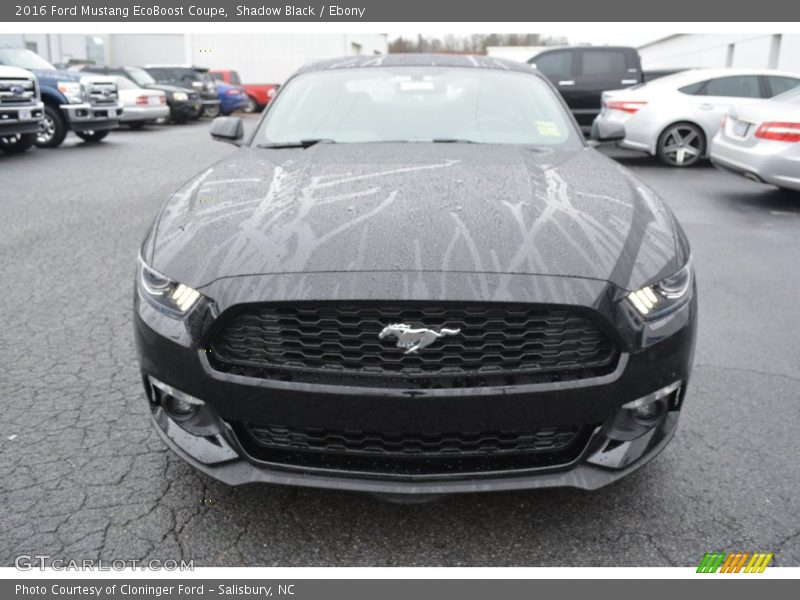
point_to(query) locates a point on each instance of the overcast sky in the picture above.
(618, 38)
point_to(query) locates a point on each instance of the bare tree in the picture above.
(475, 43)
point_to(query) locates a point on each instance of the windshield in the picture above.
(24, 59)
(124, 83)
(140, 76)
(792, 96)
(418, 104)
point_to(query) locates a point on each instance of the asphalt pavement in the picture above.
(83, 475)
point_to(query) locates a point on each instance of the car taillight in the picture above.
(782, 132)
(142, 100)
(162, 99)
(724, 121)
(628, 106)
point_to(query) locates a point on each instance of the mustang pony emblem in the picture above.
(412, 339)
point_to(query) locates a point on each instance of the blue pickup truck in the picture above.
(89, 105)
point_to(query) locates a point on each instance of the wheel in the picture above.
(136, 124)
(53, 129)
(14, 144)
(91, 136)
(681, 145)
(212, 111)
(251, 106)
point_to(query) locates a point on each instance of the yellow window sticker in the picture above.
(548, 129)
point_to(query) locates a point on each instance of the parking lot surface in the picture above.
(83, 475)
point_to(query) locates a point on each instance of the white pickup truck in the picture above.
(21, 109)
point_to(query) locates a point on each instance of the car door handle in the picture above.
(566, 82)
(629, 81)
(706, 107)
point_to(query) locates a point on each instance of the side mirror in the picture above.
(228, 129)
(607, 132)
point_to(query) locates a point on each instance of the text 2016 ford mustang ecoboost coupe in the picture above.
(415, 277)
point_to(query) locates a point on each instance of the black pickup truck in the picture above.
(583, 73)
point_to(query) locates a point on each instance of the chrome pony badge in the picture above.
(413, 339)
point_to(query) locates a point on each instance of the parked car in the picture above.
(21, 109)
(415, 277)
(86, 104)
(258, 94)
(761, 141)
(184, 103)
(231, 98)
(582, 73)
(675, 117)
(142, 106)
(196, 78)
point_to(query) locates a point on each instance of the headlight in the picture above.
(180, 96)
(165, 293)
(72, 90)
(664, 296)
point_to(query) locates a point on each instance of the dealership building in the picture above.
(259, 58)
(759, 51)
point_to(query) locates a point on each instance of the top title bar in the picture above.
(464, 11)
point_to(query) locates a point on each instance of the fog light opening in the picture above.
(648, 414)
(177, 404)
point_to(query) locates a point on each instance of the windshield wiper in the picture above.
(452, 141)
(301, 144)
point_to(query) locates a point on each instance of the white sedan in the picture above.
(762, 141)
(675, 117)
(141, 106)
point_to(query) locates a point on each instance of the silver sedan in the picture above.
(675, 117)
(761, 141)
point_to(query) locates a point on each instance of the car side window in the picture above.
(603, 62)
(235, 78)
(694, 89)
(554, 64)
(742, 86)
(779, 85)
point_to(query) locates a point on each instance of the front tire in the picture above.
(251, 106)
(212, 111)
(15, 144)
(53, 128)
(681, 145)
(91, 136)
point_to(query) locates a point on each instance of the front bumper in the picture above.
(85, 116)
(21, 119)
(659, 355)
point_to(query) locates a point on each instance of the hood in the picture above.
(15, 72)
(62, 75)
(59, 74)
(468, 208)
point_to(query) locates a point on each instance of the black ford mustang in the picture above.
(415, 277)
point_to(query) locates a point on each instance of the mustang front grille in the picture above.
(338, 343)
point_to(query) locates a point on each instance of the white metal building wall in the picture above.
(779, 51)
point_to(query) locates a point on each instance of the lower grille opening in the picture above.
(394, 453)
